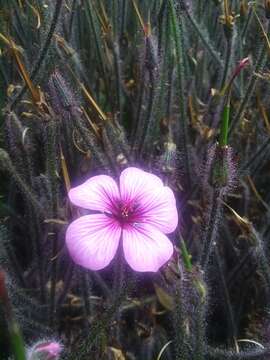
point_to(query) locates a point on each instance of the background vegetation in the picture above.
(93, 86)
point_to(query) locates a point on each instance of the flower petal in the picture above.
(158, 208)
(145, 247)
(97, 193)
(134, 183)
(155, 204)
(92, 240)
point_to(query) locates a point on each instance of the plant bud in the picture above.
(61, 96)
(219, 173)
(220, 168)
(241, 65)
(168, 159)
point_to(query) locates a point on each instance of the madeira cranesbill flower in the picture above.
(45, 350)
(138, 213)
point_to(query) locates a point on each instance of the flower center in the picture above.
(127, 212)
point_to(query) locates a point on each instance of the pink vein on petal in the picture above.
(158, 208)
(97, 193)
(92, 240)
(135, 183)
(145, 247)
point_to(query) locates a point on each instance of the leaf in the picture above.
(35, 11)
(117, 353)
(164, 298)
(163, 349)
(24, 74)
(65, 171)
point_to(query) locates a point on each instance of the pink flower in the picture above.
(45, 350)
(138, 212)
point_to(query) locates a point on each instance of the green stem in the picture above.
(200, 331)
(211, 230)
(227, 296)
(185, 255)
(223, 138)
(180, 330)
(17, 343)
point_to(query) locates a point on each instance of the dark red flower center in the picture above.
(127, 213)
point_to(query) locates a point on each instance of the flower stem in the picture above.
(180, 331)
(223, 138)
(185, 254)
(210, 233)
(200, 331)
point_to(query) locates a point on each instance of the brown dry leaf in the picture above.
(7, 42)
(36, 13)
(242, 222)
(117, 353)
(24, 74)
(65, 171)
